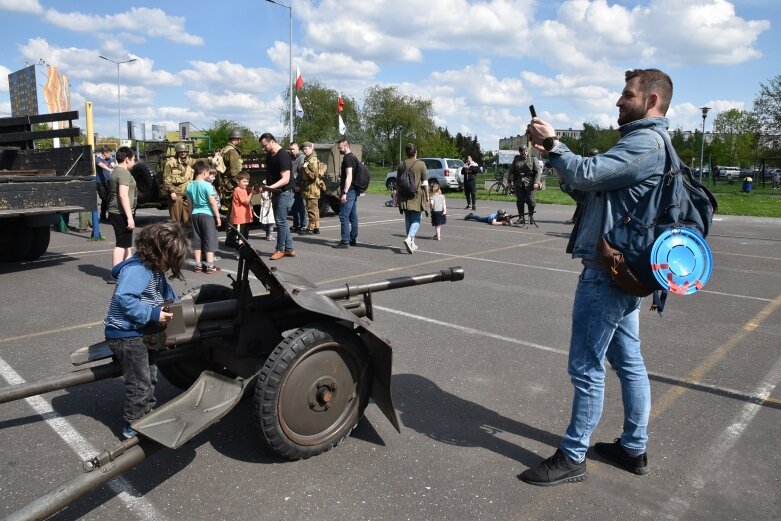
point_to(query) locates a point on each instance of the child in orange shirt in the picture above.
(241, 211)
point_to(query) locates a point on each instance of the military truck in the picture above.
(37, 186)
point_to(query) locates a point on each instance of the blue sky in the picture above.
(480, 62)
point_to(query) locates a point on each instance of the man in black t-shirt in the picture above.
(348, 211)
(280, 182)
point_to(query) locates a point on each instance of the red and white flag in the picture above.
(340, 104)
(299, 79)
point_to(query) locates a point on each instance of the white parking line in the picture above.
(125, 491)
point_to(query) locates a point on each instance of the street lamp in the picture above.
(119, 104)
(290, 65)
(702, 146)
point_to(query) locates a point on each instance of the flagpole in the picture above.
(290, 64)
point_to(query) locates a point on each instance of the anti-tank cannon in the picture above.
(308, 354)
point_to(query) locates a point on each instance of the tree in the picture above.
(736, 137)
(596, 137)
(392, 119)
(767, 107)
(320, 121)
(221, 129)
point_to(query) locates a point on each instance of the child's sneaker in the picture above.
(209, 270)
(198, 269)
(271, 237)
(128, 432)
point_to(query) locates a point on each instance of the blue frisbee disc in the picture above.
(681, 261)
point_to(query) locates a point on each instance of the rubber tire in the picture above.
(41, 236)
(324, 351)
(497, 188)
(146, 186)
(391, 184)
(183, 373)
(16, 240)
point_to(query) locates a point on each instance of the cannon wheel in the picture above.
(312, 390)
(183, 373)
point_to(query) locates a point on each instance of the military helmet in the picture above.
(181, 147)
(235, 134)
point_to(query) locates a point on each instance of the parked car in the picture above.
(769, 172)
(727, 172)
(443, 171)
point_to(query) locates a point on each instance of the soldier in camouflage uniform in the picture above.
(233, 165)
(177, 173)
(311, 184)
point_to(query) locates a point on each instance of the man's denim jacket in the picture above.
(610, 184)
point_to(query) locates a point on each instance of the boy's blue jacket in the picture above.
(137, 299)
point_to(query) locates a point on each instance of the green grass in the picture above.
(760, 202)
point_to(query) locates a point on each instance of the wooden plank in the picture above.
(17, 137)
(36, 194)
(47, 172)
(39, 118)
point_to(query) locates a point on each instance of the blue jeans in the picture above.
(475, 217)
(139, 371)
(299, 211)
(281, 202)
(348, 217)
(412, 222)
(605, 323)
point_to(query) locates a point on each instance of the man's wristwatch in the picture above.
(549, 142)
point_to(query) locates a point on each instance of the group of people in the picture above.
(605, 319)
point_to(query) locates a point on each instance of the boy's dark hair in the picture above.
(163, 246)
(124, 153)
(201, 167)
(242, 175)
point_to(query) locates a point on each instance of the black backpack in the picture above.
(406, 185)
(361, 177)
(625, 250)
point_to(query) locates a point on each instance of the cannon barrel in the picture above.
(122, 458)
(350, 290)
(85, 376)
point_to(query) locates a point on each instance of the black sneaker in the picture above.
(467, 216)
(466, 207)
(353, 242)
(316, 231)
(615, 453)
(342, 245)
(555, 470)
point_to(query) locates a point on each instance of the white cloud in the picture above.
(21, 6)
(85, 64)
(4, 72)
(226, 74)
(151, 22)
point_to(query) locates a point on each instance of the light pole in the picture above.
(290, 65)
(702, 146)
(119, 103)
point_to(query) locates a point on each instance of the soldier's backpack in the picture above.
(361, 177)
(406, 185)
(673, 204)
(218, 162)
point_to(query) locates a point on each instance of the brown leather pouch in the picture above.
(613, 261)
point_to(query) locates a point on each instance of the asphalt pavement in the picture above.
(479, 383)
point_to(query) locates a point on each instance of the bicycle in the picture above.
(502, 186)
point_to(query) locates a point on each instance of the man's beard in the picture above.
(630, 115)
